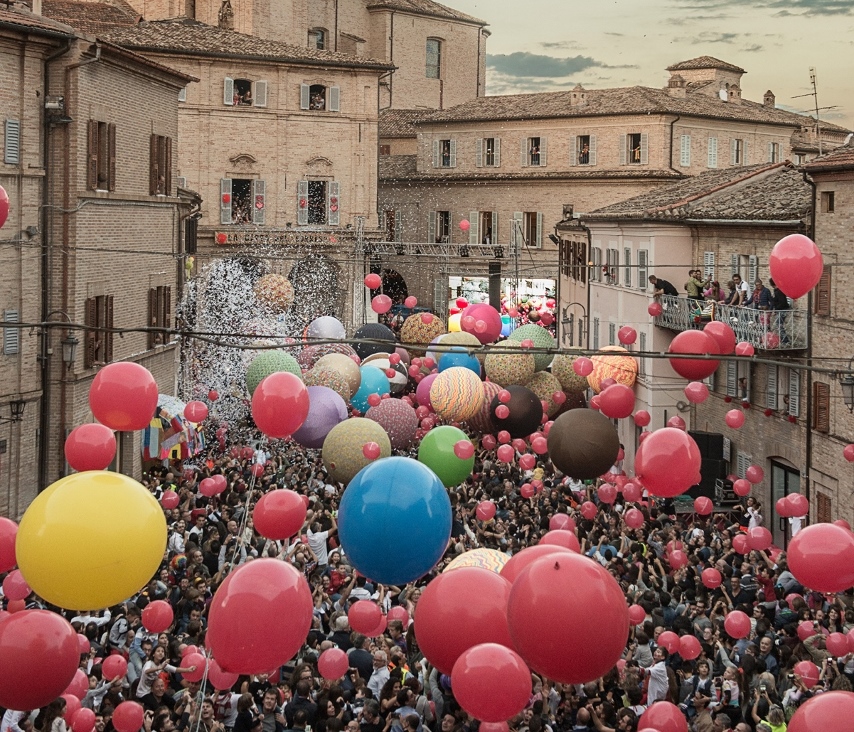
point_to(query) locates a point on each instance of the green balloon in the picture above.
(437, 453)
(268, 363)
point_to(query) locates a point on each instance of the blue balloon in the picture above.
(374, 381)
(507, 325)
(459, 357)
(394, 520)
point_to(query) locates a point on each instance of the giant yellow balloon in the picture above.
(91, 540)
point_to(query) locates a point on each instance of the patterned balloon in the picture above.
(342, 449)
(544, 384)
(510, 368)
(490, 559)
(562, 369)
(267, 363)
(415, 330)
(310, 355)
(482, 421)
(398, 382)
(275, 291)
(621, 368)
(398, 419)
(457, 394)
(541, 338)
(320, 376)
(346, 367)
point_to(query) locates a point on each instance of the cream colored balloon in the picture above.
(344, 365)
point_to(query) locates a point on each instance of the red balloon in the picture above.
(381, 304)
(607, 493)
(832, 710)
(737, 624)
(485, 510)
(689, 647)
(711, 578)
(617, 401)
(8, 535)
(662, 716)
(667, 463)
(821, 557)
(798, 504)
(128, 717)
(519, 445)
(39, 656)
(808, 672)
(15, 587)
(806, 629)
(744, 349)
(642, 418)
(742, 487)
(504, 437)
(848, 453)
(196, 660)
(373, 281)
(333, 664)
(655, 309)
(398, 612)
(464, 449)
(79, 684)
(90, 447)
(196, 411)
(634, 518)
(755, 474)
(845, 525)
(837, 644)
(632, 492)
(213, 395)
(723, 334)
(676, 422)
(636, 614)
(669, 640)
(4, 205)
(677, 559)
(504, 396)
(734, 418)
(582, 366)
(240, 634)
(698, 342)
(371, 450)
(561, 522)
(491, 682)
(588, 510)
(279, 514)
(627, 335)
(561, 537)
(72, 706)
(488, 442)
(84, 721)
(123, 396)
(527, 461)
(782, 507)
(703, 505)
(364, 615)
(696, 392)
(157, 616)
(518, 562)
(114, 666)
(568, 643)
(280, 406)
(739, 543)
(83, 644)
(410, 301)
(796, 265)
(759, 538)
(505, 454)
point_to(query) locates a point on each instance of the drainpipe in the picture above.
(44, 412)
(808, 442)
(391, 61)
(670, 160)
(336, 25)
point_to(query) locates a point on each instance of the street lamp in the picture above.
(69, 349)
(16, 408)
(846, 381)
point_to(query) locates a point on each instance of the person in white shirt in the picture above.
(317, 541)
(15, 721)
(658, 681)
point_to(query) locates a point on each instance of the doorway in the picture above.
(784, 480)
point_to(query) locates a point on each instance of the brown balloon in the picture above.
(583, 443)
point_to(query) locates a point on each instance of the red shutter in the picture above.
(152, 316)
(90, 336)
(111, 153)
(823, 508)
(92, 160)
(108, 324)
(153, 167)
(167, 166)
(821, 407)
(822, 293)
(167, 312)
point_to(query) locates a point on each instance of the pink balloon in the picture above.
(737, 624)
(755, 474)
(485, 324)
(196, 411)
(837, 644)
(607, 493)
(617, 401)
(527, 462)
(694, 342)
(798, 504)
(561, 522)
(642, 418)
(15, 587)
(634, 518)
(806, 629)
(464, 449)
(79, 684)
(505, 454)
(741, 487)
(821, 557)
(636, 614)
(678, 559)
(364, 616)
(561, 537)
(744, 349)
(72, 706)
(90, 447)
(502, 411)
(676, 422)
(739, 543)
(371, 450)
(398, 612)
(491, 682)
(83, 644)
(123, 396)
(832, 710)
(84, 721)
(655, 309)
(627, 335)
(582, 366)
(808, 672)
(114, 666)
(588, 510)
(632, 492)
(696, 392)
(848, 453)
(8, 536)
(667, 463)
(373, 281)
(669, 640)
(280, 404)
(759, 538)
(711, 578)
(796, 265)
(689, 647)
(527, 490)
(782, 508)
(279, 514)
(723, 334)
(333, 664)
(411, 301)
(662, 716)
(485, 510)
(128, 716)
(703, 505)
(465, 225)
(540, 445)
(734, 418)
(157, 616)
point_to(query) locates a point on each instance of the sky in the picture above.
(544, 45)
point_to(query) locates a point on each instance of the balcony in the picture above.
(766, 330)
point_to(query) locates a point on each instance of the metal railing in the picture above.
(767, 330)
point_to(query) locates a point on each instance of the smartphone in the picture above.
(762, 687)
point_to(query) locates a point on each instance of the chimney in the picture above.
(226, 15)
(734, 93)
(769, 100)
(676, 86)
(37, 7)
(578, 97)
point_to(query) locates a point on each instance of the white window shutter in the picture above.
(228, 92)
(474, 227)
(453, 146)
(181, 181)
(478, 153)
(260, 94)
(182, 94)
(517, 230)
(497, 156)
(398, 226)
(770, 152)
(622, 146)
(11, 336)
(643, 257)
(733, 152)
(543, 152)
(12, 149)
(304, 96)
(334, 98)
(302, 203)
(538, 243)
(493, 239)
(436, 154)
(642, 346)
(612, 334)
(595, 334)
(794, 392)
(627, 265)
(685, 151)
(733, 264)
(753, 272)
(644, 148)
(523, 151)
(732, 378)
(333, 203)
(431, 227)
(771, 387)
(713, 152)
(259, 188)
(592, 150)
(573, 150)
(745, 156)
(225, 201)
(709, 264)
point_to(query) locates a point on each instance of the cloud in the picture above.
(753, 49)
(561, 45)
(713, 37)
(522, 63)
(786, 7)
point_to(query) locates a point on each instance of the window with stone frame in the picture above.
(433, 66)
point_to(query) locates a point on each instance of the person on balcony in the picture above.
(779, 301)
(715, 293)
(742, 289)
(662, 287)
(760, 298)
(733, 296)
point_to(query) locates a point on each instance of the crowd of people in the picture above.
(743, 685)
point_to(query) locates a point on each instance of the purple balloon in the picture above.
(326, 409)
(422, 393)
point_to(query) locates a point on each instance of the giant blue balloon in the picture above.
(374, 381)
(394, 520)
(459, 357)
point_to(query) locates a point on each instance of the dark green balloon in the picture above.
(267, 363)
(436, 451)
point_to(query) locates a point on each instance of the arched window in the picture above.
(434, 59)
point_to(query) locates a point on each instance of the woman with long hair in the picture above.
(50, 718)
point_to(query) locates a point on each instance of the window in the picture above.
(385, 149)
(574, 255)
(433, 69)
(159, 314)
(823, 508)
(738, 381)
(439, 227)
(821, 407)
(12, 148)
(685, 151)
(584, 150)
(642, 359)
(244, 93)
(774, 152)
(11, 336)
(738, 152)
(596, 258)
(160, 166)
(822, 293)
(643, 259)
(532, 229)
(318, 203)
(794, 394)
(595, 334)
(444, 153)
(533, 152)
(742, 462)
(488, 152)
(712, 149)
(627, 267)
(320, 98)
(634, 149)
(393, 228)
(182, 94)
(317, 39)
(828, 202)
(486, 228)
(612, 334)
(709, 264)
(612, 267)
(101, 168)
(99, 321)
(242, 201)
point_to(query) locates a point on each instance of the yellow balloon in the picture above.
(91, 540)
(454, 323)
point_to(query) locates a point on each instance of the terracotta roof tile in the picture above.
(424, 7)
(26, 19)
(91, 17)
(775, 192)
(840, 159)
(189, 37)
(399, 122)
(404, 168)
(705, 62)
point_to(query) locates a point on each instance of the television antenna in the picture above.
(816, 108)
